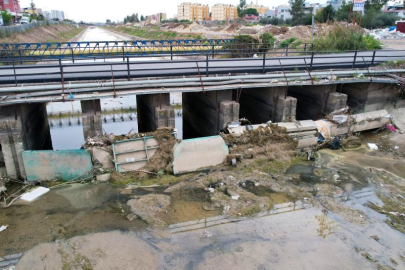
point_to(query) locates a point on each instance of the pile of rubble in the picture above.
(387, 33)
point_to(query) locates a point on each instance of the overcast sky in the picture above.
(100, 10)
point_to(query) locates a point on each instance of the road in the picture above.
(101, 70)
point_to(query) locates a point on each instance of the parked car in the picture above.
(33, 21)
(25, 20)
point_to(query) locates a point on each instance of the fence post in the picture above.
(213, 51)
(129, 71)
(171, 52)
(286, 51)
(123, 54)
(264, 62)
(372, 60)
(19, 53)
(73, 56)
(15, 74)
(312, 60)
(206, 63)
(305, 47)
(354, 59)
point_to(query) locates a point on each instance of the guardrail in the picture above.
(127, 68)
(6, 31)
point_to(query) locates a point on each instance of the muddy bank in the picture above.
(52, 33)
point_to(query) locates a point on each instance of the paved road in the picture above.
(100, 70)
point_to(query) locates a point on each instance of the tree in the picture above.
(250, 11)
(325, 14)
(342, 14)
(374, 4)
(297, 12)
(142, 18)
(242, 5)
(7, 17)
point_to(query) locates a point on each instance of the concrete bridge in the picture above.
(209, 102)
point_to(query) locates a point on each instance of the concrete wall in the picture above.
(154, 111)
(23, 127)
(316, 101)
(367, 97)
(201, 113)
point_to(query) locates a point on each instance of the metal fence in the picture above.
(131, 67)
(7, 31)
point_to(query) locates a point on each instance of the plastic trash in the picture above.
(372, 146)
(335, 144)
(3, 227)
(392, 128)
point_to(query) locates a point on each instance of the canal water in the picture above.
(119, 114)
(119, 117)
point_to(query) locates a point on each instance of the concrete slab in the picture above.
(197, 154)
(64, 165)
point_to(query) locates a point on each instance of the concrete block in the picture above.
(92, 126)
(307, 142)
(335, 102)
(197, 154)
(103, 177)
(103, 156)
(61, 165)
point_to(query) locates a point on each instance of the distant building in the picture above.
(56, 14)
(193, 12)
(260, 9)
(251, 18)
(47, 15)
(395, 7)
(12, 6)
(283, 12)
(336, 4)
(157, 17)
(221, 12)
(271, 13)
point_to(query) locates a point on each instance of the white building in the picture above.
(56, 14)
(283, 12)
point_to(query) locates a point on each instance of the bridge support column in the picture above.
(91, 118)
(23, 127)
(314, 102)
(367, 97)
(205, 114)
(260, 105)
(154, 112)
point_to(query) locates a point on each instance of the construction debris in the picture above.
(34, 194)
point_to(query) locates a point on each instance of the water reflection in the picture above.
(119, 116)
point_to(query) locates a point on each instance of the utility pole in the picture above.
(313, 26)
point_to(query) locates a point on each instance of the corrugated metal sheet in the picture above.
(131, 155)
(62, 165)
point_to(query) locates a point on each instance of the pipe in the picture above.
(68, 87)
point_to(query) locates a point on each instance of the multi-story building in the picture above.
(395, 7)
(283, 12)
(12, 6)
(193, 12)
(260, 9)
(157, 17)
(56, 14)
(221, 12)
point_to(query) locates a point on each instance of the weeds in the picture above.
(346, 38)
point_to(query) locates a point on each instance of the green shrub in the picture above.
(346, 38)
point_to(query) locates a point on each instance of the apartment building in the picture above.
(57, 14)
(193, 12)
(157, 17)
(12, 6)
(260, 9)
(221, 12)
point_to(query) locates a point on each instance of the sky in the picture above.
(100, 10)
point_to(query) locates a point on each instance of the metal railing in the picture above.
(210, 62)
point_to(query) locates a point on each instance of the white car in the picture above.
(1, 21)
(25, 20)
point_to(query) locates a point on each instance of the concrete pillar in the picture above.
(285, 109)
(316, 101)
(154, 111)
(202, 113)
(228, 112)
(23, 127)
(367, 97)
(91, 118)
(260, 105)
